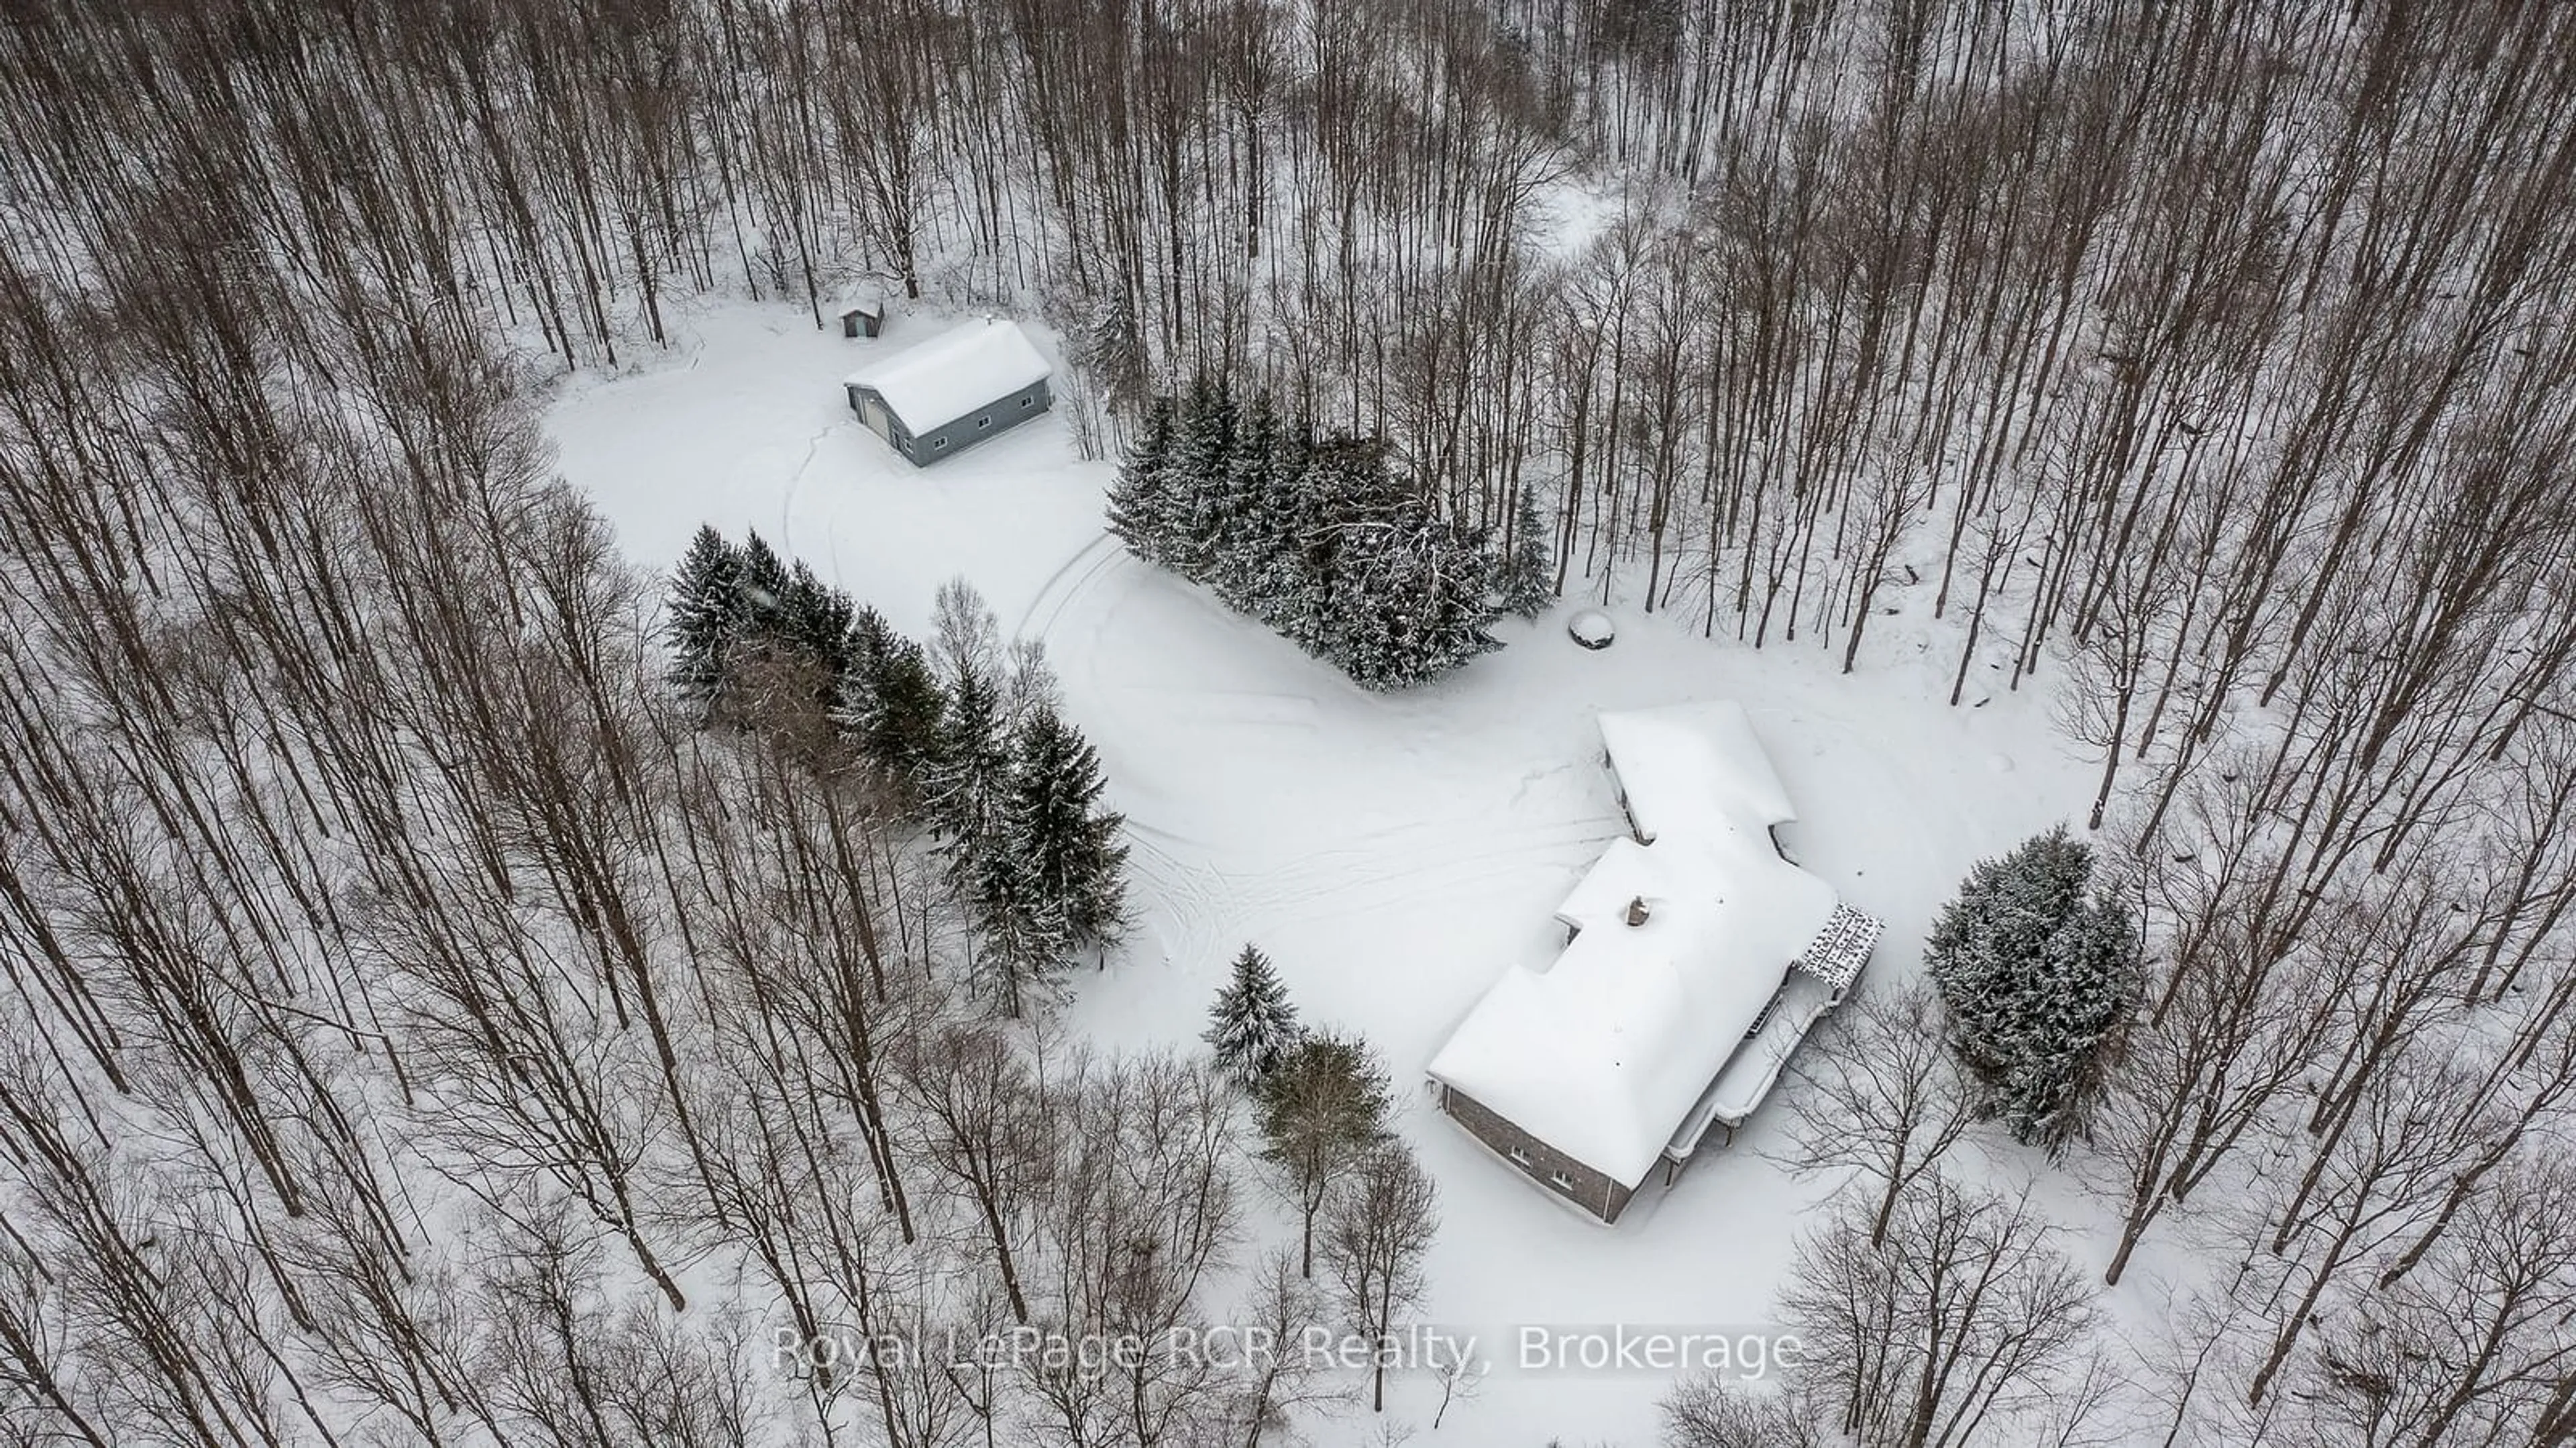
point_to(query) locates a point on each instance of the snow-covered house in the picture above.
(943, 396)
(1697, 957)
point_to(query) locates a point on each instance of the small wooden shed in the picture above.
(862, 316)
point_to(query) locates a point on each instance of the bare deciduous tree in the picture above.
(1378, 1229)
(1966, 1320)
(1881, 1094)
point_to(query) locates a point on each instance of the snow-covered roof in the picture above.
(934, 383)
(1608, 1051)
(1684, 764)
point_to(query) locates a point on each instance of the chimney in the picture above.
(1637, 911)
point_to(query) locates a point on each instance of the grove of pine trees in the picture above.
(983, 761)
(1316, 537)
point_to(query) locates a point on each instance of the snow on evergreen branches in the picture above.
(1252, 1025)
(1319, 538)
(2038, 977)
(966, 734)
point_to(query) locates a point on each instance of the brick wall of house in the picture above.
(1585, 1186)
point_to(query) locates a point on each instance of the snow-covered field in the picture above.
(1391, 853)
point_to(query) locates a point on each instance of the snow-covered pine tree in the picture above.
(1525, 571)
(1052, 822)
(812, 621)
(1142, 506)
(1201, 469)
(1339, 486)
(1022, 940)
(705, 608)
(1363, 484)
(2037, 981)
(815, 617)
(764, 584)
(1320, 539)
(1463, 593)
(1984, 943)
(862, 651)
(969, 778)
(1411, 600)
(1282, 562)
(2084, 991)
(1233, 515)
(1252, 1024)
(1359, 632)
(891, 704)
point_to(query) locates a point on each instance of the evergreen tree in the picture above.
(1022, 936)
(1282, 557)
(1201, 470)
(1251, 1025)
(1054, 826)
(966, 781)
(1341, 484)
(864, 644)
(1233, 513)
(870, 637)
(1410, 602)
(890, 704)
(764, 585)
(1142, 506)
(1527, 577)
(816, 618)
(1321, 540)
(1461, 596)
(2038, 980)
(812, 622)
(706, 606)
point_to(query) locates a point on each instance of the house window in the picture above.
(1560, 1181)
(1028, 402)
(937, 443)
(1519, 1156)
(984, 421)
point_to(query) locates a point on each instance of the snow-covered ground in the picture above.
(1391, 853)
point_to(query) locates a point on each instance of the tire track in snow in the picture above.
(1183, 890)
(1199, 906)
(1375, 871)
(1340, 882)
(1057, 594)
(787, 504)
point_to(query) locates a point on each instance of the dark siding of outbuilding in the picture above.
(1590, 1189)
(1002, 415)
